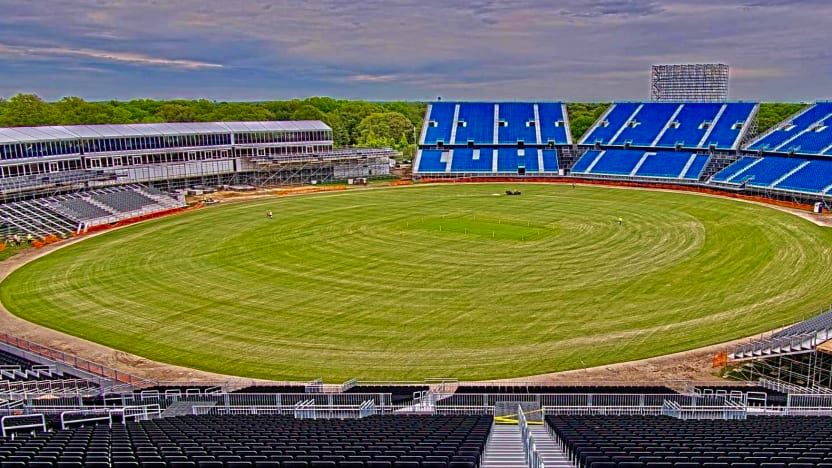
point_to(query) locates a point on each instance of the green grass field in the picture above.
(433, 281)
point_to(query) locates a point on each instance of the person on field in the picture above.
(269, 214)
(620, 220)
(29, 238)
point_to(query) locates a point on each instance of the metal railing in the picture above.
(728, 410)
(533, 459)
(29, 421)
(301, 410)
(73, 361)
(784, 387)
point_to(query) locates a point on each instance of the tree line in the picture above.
(354, 123)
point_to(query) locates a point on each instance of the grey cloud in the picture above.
(381, 49)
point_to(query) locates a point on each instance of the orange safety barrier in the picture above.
(2, 247)
(401, 182)
(299, 190)
(720, 359)
(616, 183)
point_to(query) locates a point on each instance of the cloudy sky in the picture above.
(407, 49)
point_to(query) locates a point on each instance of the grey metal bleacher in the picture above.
(124, 201)
(822, 322)
(800, 337)
(63, 214)
(80, 209)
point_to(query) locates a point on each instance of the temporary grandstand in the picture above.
(36, 161)
(66, 179)
(690, 126)
(76, 212)
(710, 145)
(508, 138)
(789, 161)
(59, 410)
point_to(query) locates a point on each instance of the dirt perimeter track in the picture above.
(693, 365)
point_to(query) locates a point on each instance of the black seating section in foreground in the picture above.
(663, 442)
(399, 393)
(564, 389)
(247, 441)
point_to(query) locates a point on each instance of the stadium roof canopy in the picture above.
(74, 132)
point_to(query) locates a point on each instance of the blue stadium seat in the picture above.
(690, 130)
(516, 117)
(815, 177)
(695, 169)
(812, 140)
(430, 161)
(530, 160)
(585, 161)
(766, 171)
(442, 114)
(727, 129)
(550, 115)
(478, 125)
(550, 161)
(464, 160)
(733, 169)
(617, 162)
(650, 120)
(790, 129)
(507, 160)
(664, 164)
(615, 119)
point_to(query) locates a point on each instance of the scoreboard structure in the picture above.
(704, 82)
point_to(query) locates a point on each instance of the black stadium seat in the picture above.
(249, 441)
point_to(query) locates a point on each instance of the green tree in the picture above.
(307, 112)
(582, 115)
(353, 113)
(323, 104)
(175, 113)
(340, 134)
(771, 114)
(391, 128)
(25, 110)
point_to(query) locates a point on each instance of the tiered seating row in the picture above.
(779, 172)
(818, 324)
(807, 133)
(487, 160)
(632, 163)
(247, 441)
(666, 125)
(62, 214)
(489, 123)
(661, 442)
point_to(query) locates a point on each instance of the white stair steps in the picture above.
(550, 453)
(504, 448)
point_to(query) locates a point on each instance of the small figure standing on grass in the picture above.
(620, 221)
(269, 214)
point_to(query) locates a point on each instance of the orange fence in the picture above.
(299, 190)
(615, 183)
(136, 219)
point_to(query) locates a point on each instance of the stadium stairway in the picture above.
(550, 453)
(505, 448)
(184, 408)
